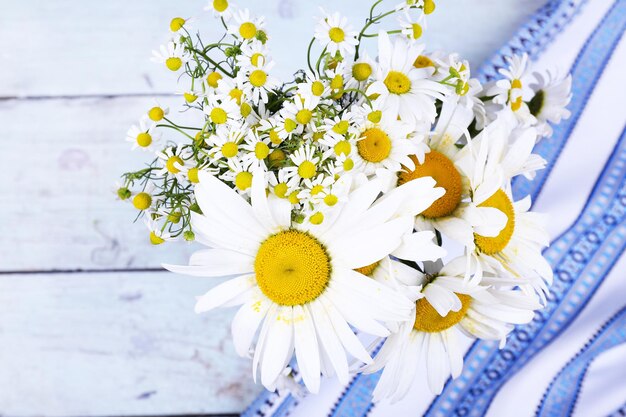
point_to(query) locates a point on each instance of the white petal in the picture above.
(246, 322)
(330, 341)
(487, 221)
(270, 317)
(355, 314)
(437, 364)
(306, 347)
(215, 263)
(279, 347)
(224, 293)
(419, 247)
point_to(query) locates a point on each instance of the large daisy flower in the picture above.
(296, 284)
(447, 309)
(404, 89)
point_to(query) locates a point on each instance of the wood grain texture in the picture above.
(116, 344)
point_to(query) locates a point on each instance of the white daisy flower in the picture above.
(158, 234)
(221, 111)
(143, 135)
(313, 86)
(334, 34)
(282, 184)
(403, 89)
(225, 143)
(412, 27)
(231, 88)
(157, 112)
(447, 310)
(301, 109)
(385, 145)
(177, 26)
(306, 161)
(315, 189)
(245, 26)
(357, 73)
(297, 287)
(220, 8)
(258, 83)
(240, 176)
(173, 55)
(549, 104)
(257, 149)
(254, 54)
(173, 159)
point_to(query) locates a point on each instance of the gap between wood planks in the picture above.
(85, 96)
(81, 271)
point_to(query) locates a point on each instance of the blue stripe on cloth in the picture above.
(620, 412)
(561, 396)
(581, 258)
(586, 71)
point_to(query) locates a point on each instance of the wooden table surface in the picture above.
(89, 323)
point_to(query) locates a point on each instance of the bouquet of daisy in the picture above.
(363, 206)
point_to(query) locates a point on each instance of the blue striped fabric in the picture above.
(581, 257)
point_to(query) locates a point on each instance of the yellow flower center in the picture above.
(516, 104)
(317, 218)
(230, 149)
(247, 30)
(254, 59)
(293, 197)
(442, 170)
(374, 145)
(236, 94)
(218, 116)
(220, 5)
(155, 240)
(190, 97)
(173, 63)
(213, 78)
(422, 61)
(317, 189)
(341, 128)
(361, 71)
(429, 6)
(290, 125)
(337, 82)
(397, 82)
(342, 147)
(375, 116)
(261, 150)
(142, 201)
(274, 138)
(307, 169)
(258, 78)
(516, 83)
(330, 200)
(156, 114)
(428, 320)
(416, 30)
(243, 180)
(245, 109)
(336, 34)
(281, 190)
(492, 245)
(317, 88)
(348, 164)
(368, 270)
(292, 268)
(304, 116)
(192, 174)
(176, 24)
(276, 157)
(144, 139)
(170, 164)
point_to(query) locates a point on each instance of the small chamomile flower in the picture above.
(337, 82)
(334, 34)
(306, 162)
(514, 90)
(406, 5)
(144, 200)
(239, 175)
(412, 27)
(254, 54)
(282, 184)
(258, 83)
(173, 159)
(245, 26)
(178, 26)
(339, 126)
(404, 90)
(191, 95)
(549, 104)
(357, 73)
(283, 127)
(225, 143)
(315, 189)
(142, 135)
(257, 149)
(157, 234)
(302, 110)
(157, 112)
(211, 81)
(220, 8)
(173, 55)
(313, 86)
(221, 111)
